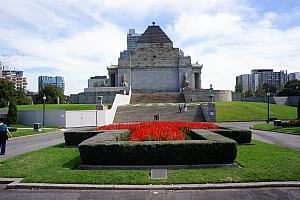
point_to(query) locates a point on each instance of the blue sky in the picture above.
(80, 38)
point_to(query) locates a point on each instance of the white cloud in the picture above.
(80, 38)
(229, 45)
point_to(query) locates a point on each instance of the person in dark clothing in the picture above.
(4, 133)
(180, 108)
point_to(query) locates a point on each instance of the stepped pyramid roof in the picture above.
(154, 34)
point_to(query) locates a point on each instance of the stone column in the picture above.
(212, 109)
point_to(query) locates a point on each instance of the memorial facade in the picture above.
(154, 65)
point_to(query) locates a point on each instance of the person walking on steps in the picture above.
(4, 134)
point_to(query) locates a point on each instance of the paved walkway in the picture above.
(17, 146)
(282, 139)
(233, 194)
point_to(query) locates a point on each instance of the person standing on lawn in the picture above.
(4, 133)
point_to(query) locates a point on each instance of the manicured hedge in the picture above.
(74, 138)
(216, 149)
(239, 135)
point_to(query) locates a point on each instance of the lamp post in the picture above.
(268, 95)
(44, 101)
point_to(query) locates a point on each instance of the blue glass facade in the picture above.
(55, 80)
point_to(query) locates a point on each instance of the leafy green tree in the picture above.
(239, 88)
(298, 109)
(248, 93)
(8, 93)
(291, 88)
(21, 98)
(7, 90)
(12, 115)
(260, 91)
(51, 92)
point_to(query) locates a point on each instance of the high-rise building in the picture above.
(132, 38)
(294, 76)
(55, 80)
(244, 81)
(265, 77)
(270, 78)
(97, 81)
(16, 77)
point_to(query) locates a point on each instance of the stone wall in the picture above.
(201, 95)
(89, 96)
(155, 79)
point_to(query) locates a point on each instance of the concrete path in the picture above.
(282, 139)
(17, 146)
(245, 194)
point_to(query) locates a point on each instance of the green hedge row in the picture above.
(74, 138)
(216, 149)
(239, 135)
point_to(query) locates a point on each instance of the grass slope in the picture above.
(260, 161)
(252, 111)
(270, 127)
(58, 107)
(226, 111)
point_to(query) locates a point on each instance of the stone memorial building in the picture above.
(154, 65)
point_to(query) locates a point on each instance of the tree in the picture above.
(12, 115)
(260, 92)
(7, 90)
(298, 109)
(248, 93)
(8, 93)
(239, 88)
(291, 88)
(21, 98)
(51, 92)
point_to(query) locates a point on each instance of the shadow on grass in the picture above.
(72, 164)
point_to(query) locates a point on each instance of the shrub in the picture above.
(11, 129)
(292, 123)
(12, 115)
(239, 135)
(74, 138)
(215, 149)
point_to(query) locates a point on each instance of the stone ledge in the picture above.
(18, 185)
(143, 167)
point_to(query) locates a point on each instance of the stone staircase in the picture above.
(130, 114)
(159, 97)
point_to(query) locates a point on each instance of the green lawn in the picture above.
(270, 127)
(24, 132)
(260, 161)
(226, 111)
(252, 111)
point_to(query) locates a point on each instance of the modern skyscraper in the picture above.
(132, 38)
(265, 77)
(55, 80)
(294, 76)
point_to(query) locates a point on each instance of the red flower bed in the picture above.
(159, 130)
